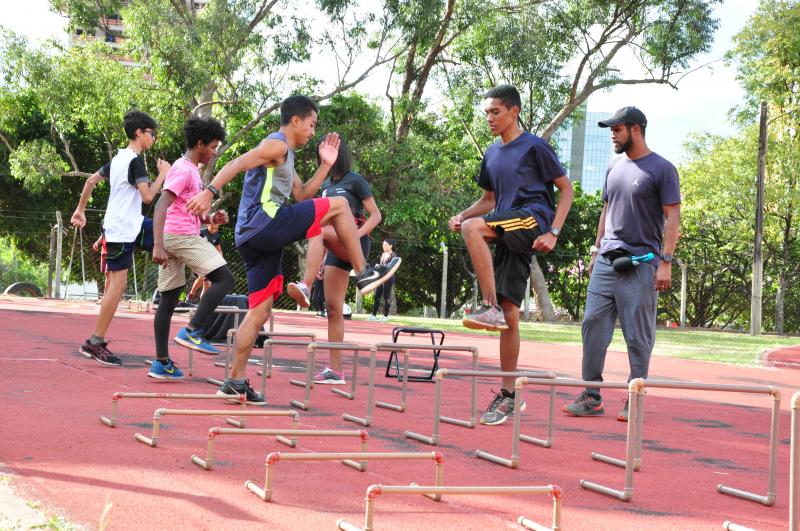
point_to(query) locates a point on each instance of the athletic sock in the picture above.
(96, 340)
(507, 394)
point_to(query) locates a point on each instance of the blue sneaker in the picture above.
(159, 371)
(195, 341)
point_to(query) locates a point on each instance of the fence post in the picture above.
(443, 311)
(59, 243)
(527, 299)
(359, 302)
(684, 280)
(51, 261)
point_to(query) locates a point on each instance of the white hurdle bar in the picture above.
(281, 436)
(637, 387)
(441, 374)
(405, 348)
(152, 441)
(357, 460)
(374, 490)
(111, 422)
(311, 357)
(519, 384)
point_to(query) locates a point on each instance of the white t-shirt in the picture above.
(123, 219)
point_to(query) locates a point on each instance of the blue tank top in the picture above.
(264, 191)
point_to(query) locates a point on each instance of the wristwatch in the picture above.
(214, 190)
(594, 249)
(668, 258)
(555, 231)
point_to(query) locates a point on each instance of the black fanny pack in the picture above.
(616, 253)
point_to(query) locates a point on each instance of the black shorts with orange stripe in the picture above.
(516, 231)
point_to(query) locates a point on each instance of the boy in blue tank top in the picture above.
(517, 177)
(267, 222)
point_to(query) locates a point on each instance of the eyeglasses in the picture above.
(151, 132)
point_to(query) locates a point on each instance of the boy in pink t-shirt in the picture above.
(177, 243)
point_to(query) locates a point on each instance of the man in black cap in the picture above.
(641, 192)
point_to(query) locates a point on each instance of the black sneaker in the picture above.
(501, 408)
(369, 279)
(232, 391)
(100, 353)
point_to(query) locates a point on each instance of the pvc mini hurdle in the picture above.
(308, 384)
(405, 348)
(230, 342)
(281, 436)
(374, 490)
(152, 441)
(513, 462)
(116, 397)
(357, 460)
(441, 374)
(794, 467)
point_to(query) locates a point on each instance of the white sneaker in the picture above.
(372, 318)
(383, 319)
(299, 292)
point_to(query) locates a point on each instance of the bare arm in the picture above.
(269, 152)
(79, 216)
(328, 153)
(374, 216)
(480, 207)
(547, 242)
(664, 272)
(149, 190)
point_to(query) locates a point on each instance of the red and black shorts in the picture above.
(263, 253)
(516, 231)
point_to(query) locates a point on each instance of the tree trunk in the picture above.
(540, 291)
(779, 297)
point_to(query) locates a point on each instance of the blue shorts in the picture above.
(263, 252)
(120, 255)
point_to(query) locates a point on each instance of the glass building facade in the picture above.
(585, 150)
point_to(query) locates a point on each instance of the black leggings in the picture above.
(385, 291)
(221, 284)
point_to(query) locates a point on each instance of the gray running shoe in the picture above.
(586, 405)
(299, 292)
(486, 317)
(622, 416)
(330, 377)
(501, 408)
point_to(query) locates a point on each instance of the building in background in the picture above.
(585, 150)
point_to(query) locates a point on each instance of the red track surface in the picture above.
(51, 398)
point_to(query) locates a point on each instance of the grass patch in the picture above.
(706, 345)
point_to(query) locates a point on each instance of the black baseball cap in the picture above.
(626, 115)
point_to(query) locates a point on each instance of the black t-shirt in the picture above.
(213, 238)
(137, 171)
(353, 187)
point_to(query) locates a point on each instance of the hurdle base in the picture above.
(298, 383)
(361, 466)
(400, 408)
(510, 463)
(622, 495)
(458, 422)
(530, 524)
(291, 443)
(768, 500)
(637, 463)
(344, 525)
(345, 394)
(732, 526)
(258, 491)
(544, 443)
(299, 404)
(358, 420)
(111, 423)
(236, 423)
(205, 464)
(214, 381)
(146, 440)
(434, 497)
(433, 440)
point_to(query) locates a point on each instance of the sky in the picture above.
(700, 104)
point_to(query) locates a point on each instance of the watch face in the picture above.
(555, 231)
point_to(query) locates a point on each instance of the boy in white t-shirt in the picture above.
(178, 243)
(124, 226)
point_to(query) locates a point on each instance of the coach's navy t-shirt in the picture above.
(521, 175)
(636, 191)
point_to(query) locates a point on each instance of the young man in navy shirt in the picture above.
(517, 176)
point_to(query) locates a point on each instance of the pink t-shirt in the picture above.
(184, 181)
